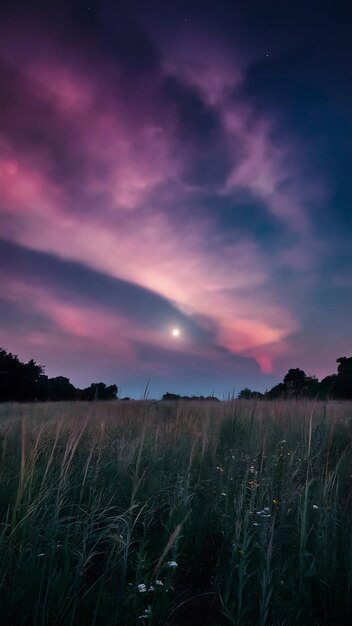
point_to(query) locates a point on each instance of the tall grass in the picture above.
(183, 513)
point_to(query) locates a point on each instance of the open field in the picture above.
(251, 500)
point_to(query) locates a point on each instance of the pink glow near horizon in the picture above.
(129, 160)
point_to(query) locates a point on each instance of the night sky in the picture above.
(177, 165)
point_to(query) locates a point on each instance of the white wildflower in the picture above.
(315, 507)
(151, 588)
(159, 583)
(264, 512)
(41, 554)
(172, 564)
(142, 588)
(146, 613)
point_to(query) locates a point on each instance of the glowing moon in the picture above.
(175, 332)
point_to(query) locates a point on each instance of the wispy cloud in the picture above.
(96, 170)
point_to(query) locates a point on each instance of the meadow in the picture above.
(192, 513)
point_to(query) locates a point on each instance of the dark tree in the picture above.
(278, 391)
(171, 396)
(99, 391)
(55, 389)
(18, 381)
(295, 381)
(327, 387)
(248, 394)
(61, 389)
(111, 392)
(25, 382)
(175, 396)
(312, 388)
(343, 388)
(42, 388)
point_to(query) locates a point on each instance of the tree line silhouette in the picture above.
(174, 396)
(297, 383)
(26, 382)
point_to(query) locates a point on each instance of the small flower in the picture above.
(142, 588)
(159, 583)
(223, 493)
(264, 512)
(151, 588)
(146, 613)
(315, 507)
(172, 564)
(255, 524)
(41, 554)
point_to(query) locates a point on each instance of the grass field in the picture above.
(192, 513)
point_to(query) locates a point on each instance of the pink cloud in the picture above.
(111, 216)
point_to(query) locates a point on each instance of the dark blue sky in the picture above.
(177, 165)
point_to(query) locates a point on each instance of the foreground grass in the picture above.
(252, 501)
